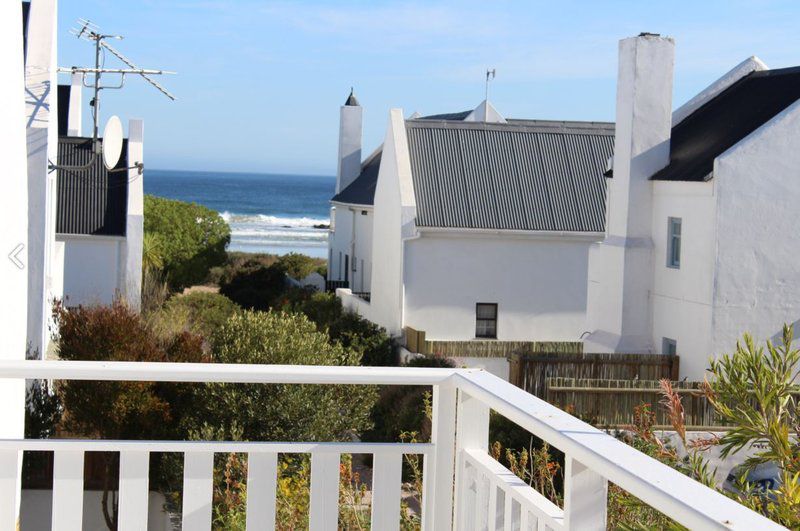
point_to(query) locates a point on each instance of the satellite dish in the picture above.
(112, 142)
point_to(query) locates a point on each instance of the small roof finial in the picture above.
(489, 75)
(351, 99)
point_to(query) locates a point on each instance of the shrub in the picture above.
(190, 239)
(298, 266)
(256, 288)
(401, 408)
(348, 329)
(199, 312)
(281, 412)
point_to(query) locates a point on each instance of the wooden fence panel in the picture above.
(612, 402)
(531, 371)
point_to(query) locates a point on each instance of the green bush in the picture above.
(401, 408)
(281, 412)
(199, 312)
(349, 329)
(188, 238)
(298, 266)
(255, 288)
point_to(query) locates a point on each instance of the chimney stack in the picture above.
(75, 105)
(350, 123)
(621, 267)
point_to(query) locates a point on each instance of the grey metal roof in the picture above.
(459, 116)
(92, 201)
(362, 190)
(529, 175)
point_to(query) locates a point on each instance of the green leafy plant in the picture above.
(189, 239)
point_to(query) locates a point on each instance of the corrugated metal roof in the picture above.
(722, 122)
(523, 175)
(93, 201)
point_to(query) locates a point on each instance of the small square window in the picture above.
(486, 320)
(669, 346)
(674, 243)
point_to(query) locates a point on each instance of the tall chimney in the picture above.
(350, 121)
(75, 105)
(619, 314)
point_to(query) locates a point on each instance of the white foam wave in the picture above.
(274, 221)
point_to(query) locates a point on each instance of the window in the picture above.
(486, 320)
(669, 346)
(363, 212)
(674, 242)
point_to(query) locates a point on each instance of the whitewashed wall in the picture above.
(394, 208)
(682, 298)
(352, 237)
(92, 268)
(538, 284)
(41, 79)
(757, 285)
(13, 236)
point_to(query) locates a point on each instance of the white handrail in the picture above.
(658, 485)
(224, 373)
(95, 445)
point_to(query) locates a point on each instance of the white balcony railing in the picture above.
(464, 488)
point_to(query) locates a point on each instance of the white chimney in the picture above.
(621, 267)
(75, 105)
(350, 121)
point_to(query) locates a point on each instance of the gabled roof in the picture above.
(725, 120)
(362, 190)
(524, 175)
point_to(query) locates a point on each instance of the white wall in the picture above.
(682, 298)
(395, 209)
(362, 247)
(538, 284)
(339, 241)
(92, 269)
(41, 81)
(620, 275)
(757, 285)
(13, 237)
(130, 281)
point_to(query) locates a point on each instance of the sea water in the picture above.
(267, 213)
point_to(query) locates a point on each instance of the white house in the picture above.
(99, 215)
(702, 231)
(475, 226)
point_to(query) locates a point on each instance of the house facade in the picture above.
(476, 227)
(99, 212)
(702, 228)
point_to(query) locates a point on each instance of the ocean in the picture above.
(267, 213)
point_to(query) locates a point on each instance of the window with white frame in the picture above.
(674, 242)
(486, 320)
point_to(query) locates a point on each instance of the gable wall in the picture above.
(757, 285)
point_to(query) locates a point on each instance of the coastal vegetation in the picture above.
(185, 240)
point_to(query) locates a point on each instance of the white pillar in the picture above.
(74, 117)
(621, 268)
(130, 281)
(13, 244)
(41, 81)
(350, 123)
(438, 469)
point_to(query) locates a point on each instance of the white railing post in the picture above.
(438, 469)
(472, 433)
(585, 497)
(9, 488)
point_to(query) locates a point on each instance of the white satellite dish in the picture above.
(112, 142)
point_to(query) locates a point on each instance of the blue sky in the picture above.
(260, 83)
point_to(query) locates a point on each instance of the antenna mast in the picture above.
(489, 75)
(90, 32)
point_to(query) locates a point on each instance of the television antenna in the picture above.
(90, 32)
